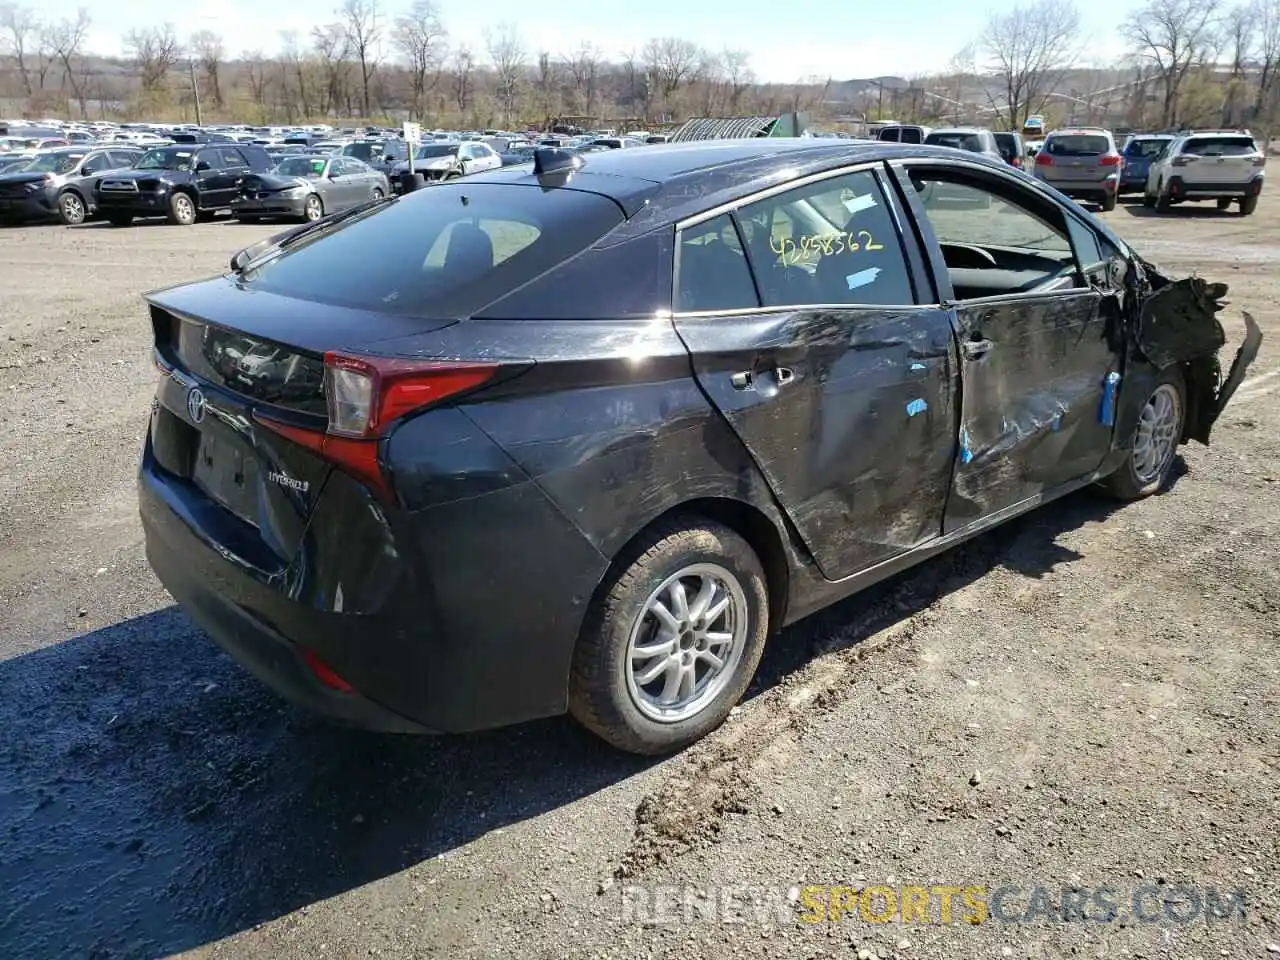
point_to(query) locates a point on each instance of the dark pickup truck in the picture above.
(183, 182)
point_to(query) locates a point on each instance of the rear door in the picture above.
(800, 311)
(1038, 337)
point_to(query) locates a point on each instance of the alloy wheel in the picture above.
(72, 208)
(687, 642)
(1156, 438)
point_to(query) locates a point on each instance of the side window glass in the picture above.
(831, 242)
(992, 246)
(211, 158)
(1085, 241)
(712, 269)
(232, 159)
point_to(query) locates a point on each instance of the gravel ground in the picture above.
(1085, 698)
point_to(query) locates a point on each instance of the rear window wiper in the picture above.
(251, 254)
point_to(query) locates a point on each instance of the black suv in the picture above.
(183, 182)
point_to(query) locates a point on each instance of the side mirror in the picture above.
(203, 165)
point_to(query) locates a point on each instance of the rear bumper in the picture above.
(1085, 188)
(229, 606)
(457, 617)
(1199, 190)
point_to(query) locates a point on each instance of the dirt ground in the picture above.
(1086, 699)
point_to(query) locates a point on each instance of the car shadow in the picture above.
(1028, 545)
(154, 797)
(1181, 210)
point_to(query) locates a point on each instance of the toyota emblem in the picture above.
(195, 405)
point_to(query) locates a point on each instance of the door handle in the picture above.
(767, 381)
(976, 349)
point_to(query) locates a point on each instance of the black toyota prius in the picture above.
(584, 434)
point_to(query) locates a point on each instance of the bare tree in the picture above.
(464, 65)
(738, 76)
(362, 21)
(1029, 48)
(547, 82)
(1239, 32)
(293, 64)
(155, 50)
(1173, 36)
(507, 54)
(670, 62)
(635, 80)
(1266, 15)
(207, 47)
(331, 48)
(584, 66)
(420, 35)
(255, 68)
(21, 31)
(66, 41)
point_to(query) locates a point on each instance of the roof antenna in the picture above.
(547, 160)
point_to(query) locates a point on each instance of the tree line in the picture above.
(1189, 61)
(1192, 62)
(371, 63)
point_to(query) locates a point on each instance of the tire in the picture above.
(1223, 203)
(182, 209)
(377, 194)
(1108, 202)
(313, 208)
(1138, 476)
(608, 697)
(1162, 200)
(72, 210)
(120, 219)
(1248, 205)
(1148, 200)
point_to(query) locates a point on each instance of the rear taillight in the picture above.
(1043, 159)
(1109, 160)
(1015, 161)
(366, 396)
(1259, 161)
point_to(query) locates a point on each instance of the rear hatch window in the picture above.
(959, 141)
(445, 251)
(1236, 146)
(1145, 149)
(1077, 145)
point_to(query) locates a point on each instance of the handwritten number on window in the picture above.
(812, 246)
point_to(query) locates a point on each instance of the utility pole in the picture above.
(195, 92)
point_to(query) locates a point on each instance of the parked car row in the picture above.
(1085, 163)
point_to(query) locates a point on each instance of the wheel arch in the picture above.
(745, 519)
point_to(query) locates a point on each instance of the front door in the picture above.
(803, 326)
(1037, 340)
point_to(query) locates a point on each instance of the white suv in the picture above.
(1227, 167)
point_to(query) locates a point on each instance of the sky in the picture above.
(787, 42)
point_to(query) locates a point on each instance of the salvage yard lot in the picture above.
(1089, 695)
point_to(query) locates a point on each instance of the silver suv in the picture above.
(1083, 163)
(1227, 167)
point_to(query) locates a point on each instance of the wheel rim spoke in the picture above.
(687, 643)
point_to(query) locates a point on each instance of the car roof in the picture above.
(960, 130)
(660, 184)
(1081, 132)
